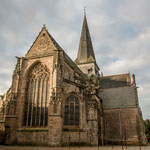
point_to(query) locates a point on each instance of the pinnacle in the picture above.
(44, 26)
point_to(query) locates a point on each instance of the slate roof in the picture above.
(85, 51)
(116, 98)
(115, 81)
(76, 68)
(56, 47)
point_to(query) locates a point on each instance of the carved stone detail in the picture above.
(55, 97)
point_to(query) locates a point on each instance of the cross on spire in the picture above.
(44, 26)
(84, 10)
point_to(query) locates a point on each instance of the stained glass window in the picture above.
(37, 94)
(71, 113)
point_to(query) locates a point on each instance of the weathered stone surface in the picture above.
(74, 148)
(53, 102)
(32, 137)
(124, 125)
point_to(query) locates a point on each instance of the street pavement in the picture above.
(74, 148)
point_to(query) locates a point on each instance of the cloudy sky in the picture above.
(120, 31)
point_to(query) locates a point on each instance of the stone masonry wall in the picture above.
(123, 125)
(27, 65)
(12, 133)
(59, 89)
(33, 137)
(86, 67)
(73, 137)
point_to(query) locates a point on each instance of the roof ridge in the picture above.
(116, 75)
(45, 31)
(36, 39)
(54, 41)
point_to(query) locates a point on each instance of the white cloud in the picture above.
(135, 11)
(120, 31)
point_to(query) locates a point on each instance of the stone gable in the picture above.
(43, 45)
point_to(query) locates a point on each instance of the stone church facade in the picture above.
(56, 101)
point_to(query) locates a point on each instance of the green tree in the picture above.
(147, 129)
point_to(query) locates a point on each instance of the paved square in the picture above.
(74, 148)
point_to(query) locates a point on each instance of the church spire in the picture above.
(85, 51)
(84, 10)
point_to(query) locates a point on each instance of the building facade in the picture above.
(55, 101)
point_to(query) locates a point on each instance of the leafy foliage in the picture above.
(147, 128)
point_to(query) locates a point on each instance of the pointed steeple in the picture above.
(85, 51)
(86, 59)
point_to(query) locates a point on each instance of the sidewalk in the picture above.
(73, 148)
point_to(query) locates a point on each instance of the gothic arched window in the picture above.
(37, 94)
(72, 111)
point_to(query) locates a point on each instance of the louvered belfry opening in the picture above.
(72, 109)
(37, 94)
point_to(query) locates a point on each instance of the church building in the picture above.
(56, 101)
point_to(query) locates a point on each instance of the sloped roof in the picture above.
(73, 65)
(116, 98)
(44, 44)
(115, 81)
(85, 51)
(48, 43)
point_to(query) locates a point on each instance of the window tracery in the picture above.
(72, 111)
(36, 104)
